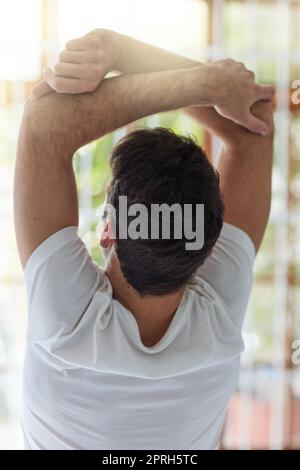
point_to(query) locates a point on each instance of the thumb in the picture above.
(41, 89)
(255, 125)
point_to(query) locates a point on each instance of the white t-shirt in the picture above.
(90, 383)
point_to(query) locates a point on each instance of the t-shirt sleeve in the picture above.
(61, 280)
(229, 271)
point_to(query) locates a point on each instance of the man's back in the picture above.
(76, 408)
(90, 383)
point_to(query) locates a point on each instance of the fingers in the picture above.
(41, 89)
(90, 40)
(250, 74)
(90, 56)
(69, 85)
(255, 125)
(84, 71)
(265, 92)
(62, 85)
(78, 44)
(68, 70)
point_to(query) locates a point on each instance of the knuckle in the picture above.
(95, 33)
(96, 39)
(58, 85)
(63, 55)
(57, 68)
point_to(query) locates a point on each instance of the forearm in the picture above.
(245, 167)
(217, 125)
(133, 56)
(246, 184)
(87, 60)
(71, 121)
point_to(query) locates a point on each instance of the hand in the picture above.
(82, 65)
(237, 92)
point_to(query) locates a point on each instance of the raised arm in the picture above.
(85, 62)
(245, 167)
(54, 126)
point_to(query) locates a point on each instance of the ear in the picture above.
(107, 238)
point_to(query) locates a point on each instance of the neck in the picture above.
(153, 314)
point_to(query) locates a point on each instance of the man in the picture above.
(143, 355)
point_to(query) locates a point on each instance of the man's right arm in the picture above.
(245, 168)
(85, 62)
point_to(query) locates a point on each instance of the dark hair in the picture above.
(155, 166)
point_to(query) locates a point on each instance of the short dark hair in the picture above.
(156, 166)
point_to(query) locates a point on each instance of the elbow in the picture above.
(42, 134)
(35, 122)
(47, 124)
(61, 121)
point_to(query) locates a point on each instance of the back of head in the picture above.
(156, 166)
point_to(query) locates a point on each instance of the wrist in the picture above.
(206, 85)
(109, 41)
(116, 45)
